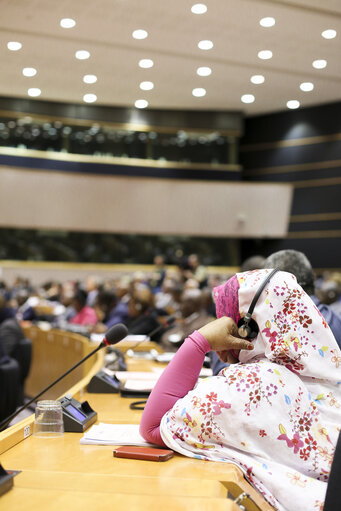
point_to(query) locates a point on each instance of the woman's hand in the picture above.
(221, 334)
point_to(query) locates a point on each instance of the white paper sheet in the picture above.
(114, 434)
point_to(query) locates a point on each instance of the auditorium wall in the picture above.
(117, 204)
(303, 148)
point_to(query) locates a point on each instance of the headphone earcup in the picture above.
(247, 329)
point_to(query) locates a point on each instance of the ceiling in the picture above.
(105, 27)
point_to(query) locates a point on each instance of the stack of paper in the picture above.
(127, 340)
(114, 434)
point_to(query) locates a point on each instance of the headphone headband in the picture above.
(260, 290)
(247, 326)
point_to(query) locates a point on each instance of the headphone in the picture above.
(247, 326)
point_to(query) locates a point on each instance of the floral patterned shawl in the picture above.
(276, 414)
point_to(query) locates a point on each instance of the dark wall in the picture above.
(302, 147)
(170, 119)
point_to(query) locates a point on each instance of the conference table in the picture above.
(62, 474)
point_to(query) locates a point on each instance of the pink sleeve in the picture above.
(176, 381)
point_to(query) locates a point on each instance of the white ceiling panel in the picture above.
(104, 28)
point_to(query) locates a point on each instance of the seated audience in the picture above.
(168, 297)
(85, 315)
(193, 316)
(159, 273)
(277, 412)
(195, 270)
(329, 293)
(252, 263)
(297, 263)
(92, 284)
(143, 315)
(110, 310)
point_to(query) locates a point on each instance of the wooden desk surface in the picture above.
(61, 474)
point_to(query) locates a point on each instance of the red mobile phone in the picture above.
(143, 453)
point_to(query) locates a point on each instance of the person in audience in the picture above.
(277, 412)
(159, 273)
(252, 263)
(196, 270)
(110, 310)
(85, 315)
(143, 316)
(328, 292)
(66, 299)
(92, 284)
(122, 288)
(52, 291)
(165, 299)
(193, 316)
(297, 263)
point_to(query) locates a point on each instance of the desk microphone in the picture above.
(114, 335)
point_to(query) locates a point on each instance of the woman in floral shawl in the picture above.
(276, 413)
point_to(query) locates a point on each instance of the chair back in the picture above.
(22, 353)
(10, 386)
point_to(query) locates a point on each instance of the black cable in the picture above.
(135, 405)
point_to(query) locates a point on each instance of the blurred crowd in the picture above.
(166, 304)
(168, 300)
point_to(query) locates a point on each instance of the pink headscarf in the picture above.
(226, 299)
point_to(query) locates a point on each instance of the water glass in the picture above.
(48, 421)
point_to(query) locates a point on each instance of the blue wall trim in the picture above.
(108, 169)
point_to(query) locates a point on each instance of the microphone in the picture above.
(114, 335)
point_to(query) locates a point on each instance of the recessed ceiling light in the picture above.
(199, 8)
(67, 23)
(146, 85)
(293, 104)
(89, 98)
(257, 79)
(29, 71)
(141, 103)
(199, 92)
(248, 98)
(204, 71)
(89, 78)
(140, 34)
(14, 45)
(265, 54)
(82, 54)
(34, 92)
(307, 86)
(319, 64)
(146, 63)
(329, 34)
(267, 22)
(205, 45)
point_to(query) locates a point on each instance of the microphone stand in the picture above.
(168, 324)
(5, 422)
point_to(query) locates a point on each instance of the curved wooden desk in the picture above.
(53, 353)
(62, 474)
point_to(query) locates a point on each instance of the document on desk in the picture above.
(114, 434)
